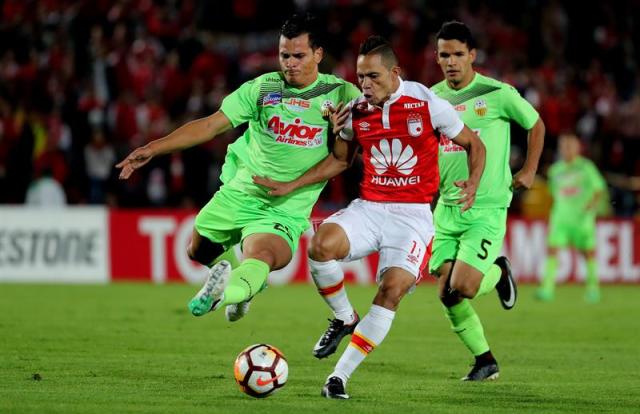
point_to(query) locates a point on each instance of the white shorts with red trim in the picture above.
(400, 232)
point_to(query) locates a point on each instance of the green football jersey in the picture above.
(486, 106)
(573, 186)
(287, 134)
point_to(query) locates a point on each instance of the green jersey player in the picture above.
(467, 243)
(576, 187)
(287, 114)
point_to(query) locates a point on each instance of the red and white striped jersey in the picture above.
(399, 143)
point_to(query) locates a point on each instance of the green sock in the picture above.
(592, 274)
(466, 324)
(489, 280)
(549, 277)
(230, 256)
(246, 280)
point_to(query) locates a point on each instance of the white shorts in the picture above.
(400, 232)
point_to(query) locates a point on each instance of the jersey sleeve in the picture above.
(241, 105)
(444, 118)
(347, 131)
(515, 107)
(596, 179)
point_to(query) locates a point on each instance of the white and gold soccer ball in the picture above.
(260, 370)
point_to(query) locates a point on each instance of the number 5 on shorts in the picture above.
(483, 246)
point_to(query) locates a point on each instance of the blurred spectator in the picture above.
(99, 157)
(46, 191)
(134, 68)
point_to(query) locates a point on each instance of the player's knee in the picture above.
(204, 253)
(449, 298)
(321, 249)
(389, 296)
(465, 288)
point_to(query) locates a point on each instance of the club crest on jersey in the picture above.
(480, 106)
(414, 125)
(272, 98)
(326, 108)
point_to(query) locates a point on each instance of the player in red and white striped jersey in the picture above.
(396, 123)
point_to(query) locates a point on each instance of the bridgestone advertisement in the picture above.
(51, 245)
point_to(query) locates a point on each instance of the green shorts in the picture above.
(580, 234)
(230, 216)
(475, 236)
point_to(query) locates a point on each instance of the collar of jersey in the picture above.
(476, 76)
(305, 88)
(393, 97)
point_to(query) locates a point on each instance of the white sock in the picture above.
(369, 333)
(329, 279)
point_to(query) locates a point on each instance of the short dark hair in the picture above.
(378, 45)
(455, 30)
(299, 24)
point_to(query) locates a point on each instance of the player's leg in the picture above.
(592, 294)
(371, 330)
(558, 237)
(478, 269)
(403, 254)
(466, 324)
(208, 253)
(585, 242)
(215, 231)
(268, 241)
(330, 243)
(475, 271)
(546, 291)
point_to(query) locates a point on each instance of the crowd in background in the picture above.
(83, 82)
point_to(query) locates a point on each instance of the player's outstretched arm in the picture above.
(476, 156)
(523, 179)
(189, 135)
(339, 160)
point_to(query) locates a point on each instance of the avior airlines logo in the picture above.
(395, 158)
(296, 133)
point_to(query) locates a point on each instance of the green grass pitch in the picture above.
(135, 348)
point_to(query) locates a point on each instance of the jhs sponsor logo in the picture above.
(296, 133)
(297, 104)
(413, 105)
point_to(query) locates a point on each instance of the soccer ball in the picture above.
(260, 370)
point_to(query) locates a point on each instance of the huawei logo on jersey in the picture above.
(393, 156)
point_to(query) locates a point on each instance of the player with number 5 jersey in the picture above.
(467, 243)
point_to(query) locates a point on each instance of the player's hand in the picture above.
(277, 188)
(523, 180)
(139, 157)
(468, 193)
(338, 117)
